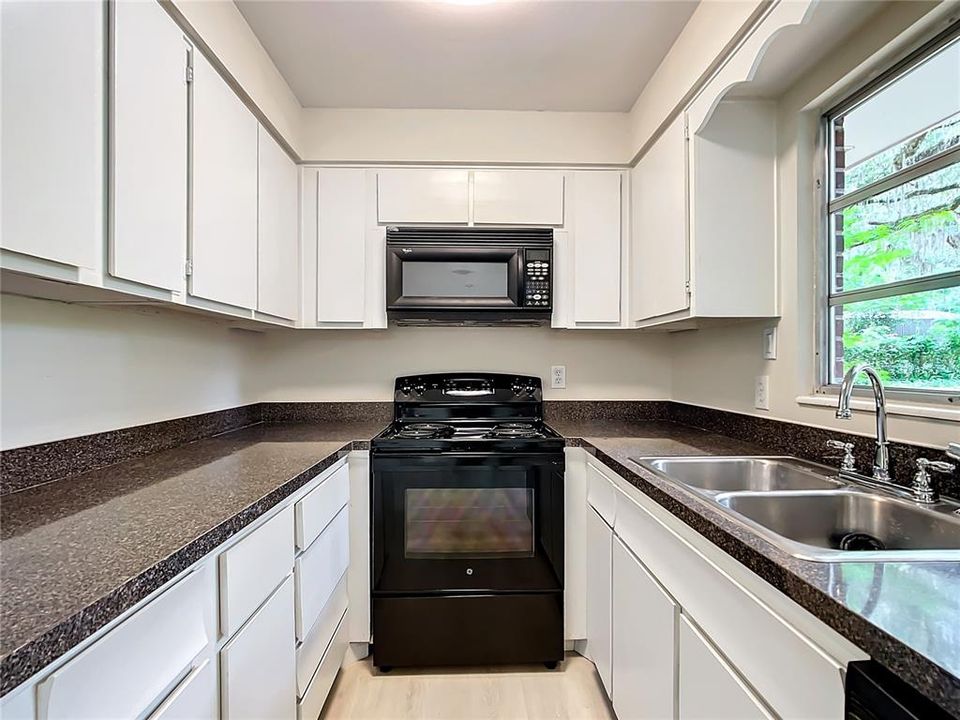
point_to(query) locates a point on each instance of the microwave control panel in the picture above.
(537, 274)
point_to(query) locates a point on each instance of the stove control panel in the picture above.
(537, 274)
(467, 388)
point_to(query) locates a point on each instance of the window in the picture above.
(893, 226)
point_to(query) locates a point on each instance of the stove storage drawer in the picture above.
(315, 511)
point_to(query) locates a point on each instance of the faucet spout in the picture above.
(881, 462)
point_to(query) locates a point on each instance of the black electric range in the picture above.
(467, 524)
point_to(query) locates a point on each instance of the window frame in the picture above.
(827, 205)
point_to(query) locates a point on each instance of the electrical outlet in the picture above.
(558, 376)
(761, 392)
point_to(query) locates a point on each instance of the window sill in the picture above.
(930, 412)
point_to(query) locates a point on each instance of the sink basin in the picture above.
(848, 524)
(754, 474)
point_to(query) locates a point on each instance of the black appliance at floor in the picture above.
(875, 693)
(467, 524)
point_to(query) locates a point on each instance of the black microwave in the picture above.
(469, 275)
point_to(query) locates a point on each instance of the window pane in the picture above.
(910, 231)
(912, 340)
(911, 119)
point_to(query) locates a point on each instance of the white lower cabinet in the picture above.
(195, 698)
(644, 641)
(258, 667)
(709, 688)
(599, 539)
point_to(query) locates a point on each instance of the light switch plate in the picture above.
(761, 392)
(558, 376)
(770, 343)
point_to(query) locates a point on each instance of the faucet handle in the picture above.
(924, 490)
(847, 462)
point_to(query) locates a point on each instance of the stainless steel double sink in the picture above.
(803, 509)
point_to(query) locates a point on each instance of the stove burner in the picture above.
(514, 430)
(425, 431)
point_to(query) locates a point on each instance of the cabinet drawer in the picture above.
(258, 667)
(794, 676)
(195, 698)
(127, 670)
(251, 569)
(320, 505)
(320, 569)
(312, 703)
(318, 638)
(601, 493)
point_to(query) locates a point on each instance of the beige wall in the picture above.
(68, 370)
(717, 367)
(362, 364)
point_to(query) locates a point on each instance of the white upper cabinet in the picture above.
(148, 183)
(278, 241)
(518, 197)
(659, 226)
(224, 237)
(423, 196)
(341, 246)
(596, 247)
(53, 130)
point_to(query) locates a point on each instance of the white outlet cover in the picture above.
(558, 376)
(761, 392)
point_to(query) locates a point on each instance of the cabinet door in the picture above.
(599, 539)
(422, 196)
(148, 183)
(518, 197)
(596, 247)
(644, 632)
(278, 241)
(52, 118)
(341, 245)
(195, 698)
(258, 667)
(659, 226)
(224, 240)
(709, 688)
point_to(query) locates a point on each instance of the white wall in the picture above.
(465, 136)
(716, 367)
(67, 370)
(362, 364)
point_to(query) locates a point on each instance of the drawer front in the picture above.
(126, 671)
(195, 698)
(253, 568)
(794, 677)
(258, 667)
(601, 493)
(321, 505)
(320, 569)
(318, 638)
(312, 703)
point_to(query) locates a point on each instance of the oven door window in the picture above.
(443, 523)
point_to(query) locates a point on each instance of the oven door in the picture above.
(452, 277)
(467, 523)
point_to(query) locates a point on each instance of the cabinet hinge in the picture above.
(188, 268)
(686, 286)
(686, 126)
(189, 74)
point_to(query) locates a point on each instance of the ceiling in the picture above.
(574, 55)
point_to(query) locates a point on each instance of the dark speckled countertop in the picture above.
(76, 553)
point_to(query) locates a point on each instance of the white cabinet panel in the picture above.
(518, 197)
(278, 239)
(224, 237)
(313, 699)
(341, 245)
(317, 640)
(599, 540)
(596, 247)
(195, 698)
(124, 672)
(659, 226)
(422, 196)
(52, 118)
(319, 570)
(148, 183)
(258, 667)
(601, 493)
(315, 511)
(358, 574)
(644, 641)
(709, 688)
(251, 569)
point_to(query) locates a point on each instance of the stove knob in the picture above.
(405, 389)
(419, 389)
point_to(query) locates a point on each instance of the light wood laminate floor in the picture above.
(511, 693)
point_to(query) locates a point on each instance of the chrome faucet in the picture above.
(881, 460)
